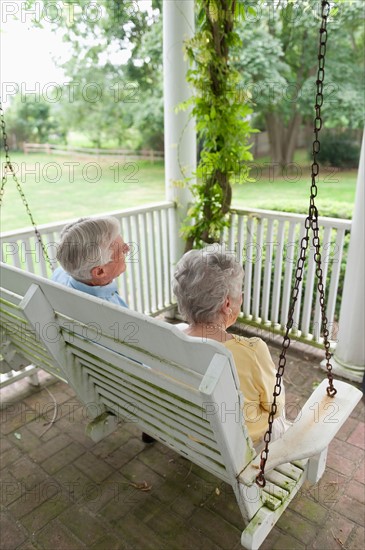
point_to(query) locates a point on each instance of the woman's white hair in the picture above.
(202, 282)
(85, 244)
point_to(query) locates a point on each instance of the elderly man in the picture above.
(92, 254)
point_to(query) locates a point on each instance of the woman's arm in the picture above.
(266, 379)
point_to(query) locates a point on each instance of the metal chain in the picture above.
(311, 222)
(9, 168)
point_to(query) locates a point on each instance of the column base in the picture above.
(350, 372)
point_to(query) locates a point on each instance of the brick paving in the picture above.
(59, 490)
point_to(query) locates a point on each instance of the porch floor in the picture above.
(61, 491)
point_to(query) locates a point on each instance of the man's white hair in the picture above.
(85, 244)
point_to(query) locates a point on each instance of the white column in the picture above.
(349, 356)
(180, 135)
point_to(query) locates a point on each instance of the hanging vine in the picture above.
(222, 120)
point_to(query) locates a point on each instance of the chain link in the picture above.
(311, 222)
(9, 168)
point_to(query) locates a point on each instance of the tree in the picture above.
(124, 93)
(145, 67)
(278, 64)
(95, 103)
(31, 119)
(276, 58)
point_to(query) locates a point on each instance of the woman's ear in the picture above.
(226, 308)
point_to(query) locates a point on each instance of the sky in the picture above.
(29, 55)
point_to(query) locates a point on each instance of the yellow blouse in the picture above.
(257, 374)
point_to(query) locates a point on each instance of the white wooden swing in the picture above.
(179, 390)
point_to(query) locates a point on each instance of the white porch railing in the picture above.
(266, 242)
(146, 284)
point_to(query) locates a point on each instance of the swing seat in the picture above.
(181, 391)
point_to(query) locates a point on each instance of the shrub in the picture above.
(339, 150)
(333, 209)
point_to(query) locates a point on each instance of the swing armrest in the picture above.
(312, 431)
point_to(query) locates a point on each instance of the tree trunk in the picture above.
(275, 130)
(283, 140)
(291, 138)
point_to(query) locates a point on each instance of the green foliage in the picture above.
(339, 150)
(32, 119)
(145, 67)
(278, 63)
(98, 106)
(278, 60)
(130, 106)
(332, 209)
(275, 54)
(222, 122)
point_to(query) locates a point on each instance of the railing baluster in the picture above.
(123, 280)
(160, 260)
(248, 269)
(10, 251)
(257, 269)
(138, 279)
(50, 242)
(240, 241)
(267, 271)
(326, 251)
(277, 273)
(168, 268)
(152, 262)
(231, 229)
(134, 256)
(146, 281)
(27, 256)
(297, 309)
(41, 259)
(289, 264)
(309, 291)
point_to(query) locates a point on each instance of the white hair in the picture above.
(85, 244)
(202, 282)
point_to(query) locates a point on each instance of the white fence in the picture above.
(266, 242)
(121, 154)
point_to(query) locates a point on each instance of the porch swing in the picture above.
(185, 379)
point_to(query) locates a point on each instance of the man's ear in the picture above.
(97, 272)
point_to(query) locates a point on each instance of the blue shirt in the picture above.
(107, 292)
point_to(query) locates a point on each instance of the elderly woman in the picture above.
(208, 287)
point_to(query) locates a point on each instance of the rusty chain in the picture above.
(311, 222)
(9, 168)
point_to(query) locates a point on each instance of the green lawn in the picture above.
(58, 190)
(61, 187)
